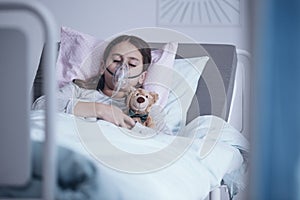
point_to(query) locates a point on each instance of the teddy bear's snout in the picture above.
(140, 100)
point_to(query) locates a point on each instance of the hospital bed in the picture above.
(227, 68)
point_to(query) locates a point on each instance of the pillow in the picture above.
(159, 75)
(80, 55)
(186, 74)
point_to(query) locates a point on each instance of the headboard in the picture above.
(218, 75)
(215, 87)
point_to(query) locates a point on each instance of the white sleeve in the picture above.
(67, 97)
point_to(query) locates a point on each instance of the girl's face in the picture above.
(127, 53)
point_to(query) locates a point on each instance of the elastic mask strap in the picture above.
(110, 72)
(130, 77)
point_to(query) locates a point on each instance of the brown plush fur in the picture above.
(140, 102)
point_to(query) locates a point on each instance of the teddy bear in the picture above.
(140, 102)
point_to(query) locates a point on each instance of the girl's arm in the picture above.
(109, 113)
(68, 101)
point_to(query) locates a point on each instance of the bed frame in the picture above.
(15, 143)
(223, 89)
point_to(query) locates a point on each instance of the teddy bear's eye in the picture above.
(147, 96)
(137, 94)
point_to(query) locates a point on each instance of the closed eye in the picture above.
(133, 62)
(132, 65)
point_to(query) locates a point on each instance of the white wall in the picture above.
(105, 18)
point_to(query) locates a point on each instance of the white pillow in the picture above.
(186, 75)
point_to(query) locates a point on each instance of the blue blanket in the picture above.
(77, 177)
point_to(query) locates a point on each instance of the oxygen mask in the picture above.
(120, 78)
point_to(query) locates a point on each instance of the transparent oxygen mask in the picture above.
(120, 78)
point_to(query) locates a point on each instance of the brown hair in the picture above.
(140, 44)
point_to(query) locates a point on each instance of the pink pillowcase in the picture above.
(80, 55)
(159, 75)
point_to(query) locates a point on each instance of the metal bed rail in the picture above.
(49, 28)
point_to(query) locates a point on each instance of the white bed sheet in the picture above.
(186, 176)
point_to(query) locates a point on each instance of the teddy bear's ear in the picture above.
(132, 89)
(155, 96)
(128, 97)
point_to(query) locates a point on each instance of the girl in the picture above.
(104, 102)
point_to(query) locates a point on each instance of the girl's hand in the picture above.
(114, 115)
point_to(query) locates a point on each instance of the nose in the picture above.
(140, 100)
